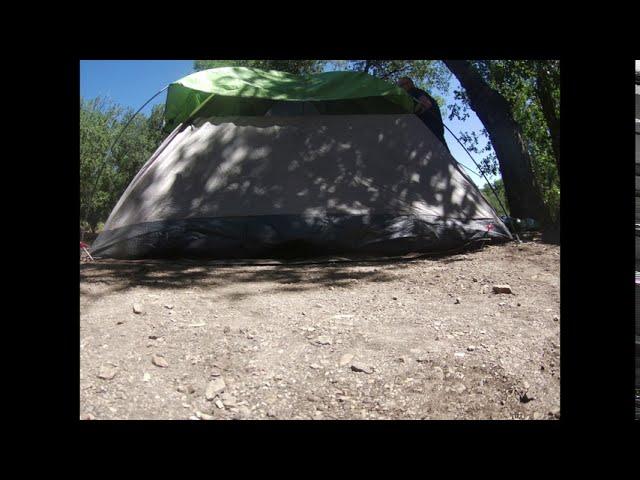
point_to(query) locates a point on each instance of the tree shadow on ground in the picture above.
(286, 275)
(549, 236)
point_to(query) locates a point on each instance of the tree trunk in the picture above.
(548, 110)
(494, 112)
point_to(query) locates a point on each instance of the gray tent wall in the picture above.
(243, 187)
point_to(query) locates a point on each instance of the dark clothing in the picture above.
(431, 117)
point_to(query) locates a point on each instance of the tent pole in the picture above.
(486, 179)
(479, 169)
(109, 150)
(475, 163)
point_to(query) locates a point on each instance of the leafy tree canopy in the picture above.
(290, 66)
(532, 88)
(101, 120)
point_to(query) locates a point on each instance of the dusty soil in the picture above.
(429, 338)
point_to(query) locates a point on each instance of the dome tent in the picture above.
(262, 161)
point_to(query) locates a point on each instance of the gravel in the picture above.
(421, 356)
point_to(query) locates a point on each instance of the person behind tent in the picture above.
(427, 108)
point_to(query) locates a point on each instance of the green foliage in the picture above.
(429, 75)
(100, 122)
(498, 186)
(518, 81)
(290, 66)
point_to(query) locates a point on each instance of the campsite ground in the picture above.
(274, 342)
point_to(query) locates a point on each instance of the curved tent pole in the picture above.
(486, 179)
(474, 162)
(480, 170)
(110, 149)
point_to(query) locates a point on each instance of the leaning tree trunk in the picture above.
(494, 112)
(543, 91)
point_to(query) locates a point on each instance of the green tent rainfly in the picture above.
(250, 91)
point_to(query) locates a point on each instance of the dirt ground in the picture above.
(419, 339)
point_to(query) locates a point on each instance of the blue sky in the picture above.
(132, 82)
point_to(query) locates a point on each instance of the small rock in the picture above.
(524, 398)
(137, 308)
(422, 359)
(214, 387)
(87, 416)
(226, 329)
(555, 412)
(168, 307)
(457, 300)
(146, 377)
(215, 372)
(556, 318)
(459, 388)
(323, 340)
(502, 289)
(219, 404)
(229, 400)
(345, 359)
(394, 298)
(315, 366)
(186, 389)
(159, 361)
(471, 348)
(360, 367)
(107, 372)
(459, 354)
(204, 416)
(538, 416)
